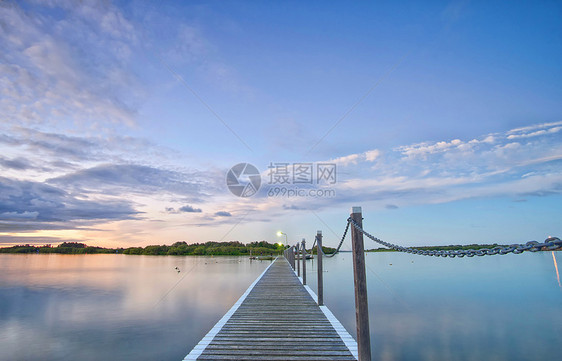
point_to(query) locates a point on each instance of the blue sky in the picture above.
(120, 120)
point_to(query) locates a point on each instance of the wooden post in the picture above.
(303, 251)
(292, 255)
(360, 281)
(320, 274)
(298, 262)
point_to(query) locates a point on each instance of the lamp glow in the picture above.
(279, 234)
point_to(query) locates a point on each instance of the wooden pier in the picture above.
(277, 319)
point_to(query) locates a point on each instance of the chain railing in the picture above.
(551, 243)
(339, 245)
(297, 254)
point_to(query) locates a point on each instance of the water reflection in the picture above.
(556, 268)
(114, 307)
(423, 308)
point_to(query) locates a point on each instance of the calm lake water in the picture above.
(119, 307)
(424, 308)
(114, 307)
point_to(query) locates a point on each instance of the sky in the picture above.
(119, 121)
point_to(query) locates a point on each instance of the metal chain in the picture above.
(551, 243)
(341, 242)
(305, 252)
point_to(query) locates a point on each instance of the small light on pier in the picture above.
(279, 234)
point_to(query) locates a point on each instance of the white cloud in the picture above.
(534, 126)
(369, 156)
(346, 160)
(67, 71)
(372, 155)
(15, 215)
(405, 183)
(535, 130)
(433, 172)
(426, 148)
(489, 139)
(535, 133)
(101, 14)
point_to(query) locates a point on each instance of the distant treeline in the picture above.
(326, 250)
(63, 248)
(257, 248)
(179, 248)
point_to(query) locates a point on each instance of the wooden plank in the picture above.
(273, 358)
(277, 320)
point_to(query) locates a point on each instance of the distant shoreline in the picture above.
(257, 249)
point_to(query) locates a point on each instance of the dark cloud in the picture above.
(119, 178)
(391, 206)
(60, 164)
(292, 207)
(185, 209)
(16, 163)
(119, 173)
(9, 140)
(59, 145)
(223, 214)
(189, 209)
(33, 240)
(27, 205)
(61, 150)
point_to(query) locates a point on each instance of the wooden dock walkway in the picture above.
(277, 319)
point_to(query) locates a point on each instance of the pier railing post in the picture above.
(292, 256)
(303, 256)
(298, 261)
(359, 276)
(319, 263)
